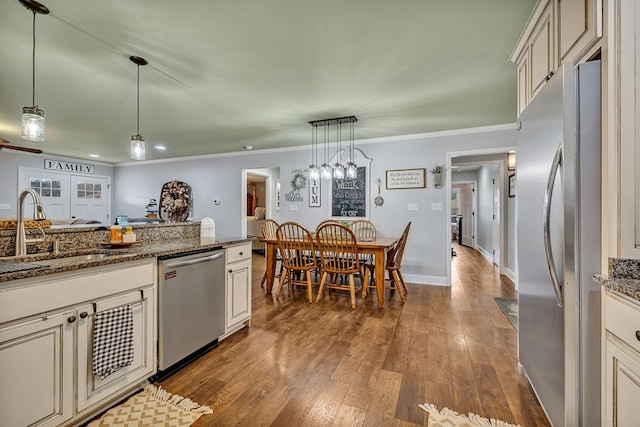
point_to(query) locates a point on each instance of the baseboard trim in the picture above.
(485, 254)
(420, 279)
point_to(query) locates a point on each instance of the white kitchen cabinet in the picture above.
(46, 337)
(621, 368)
(624, 119)
(557, 31)
(91, 388)
(542, 51)
(238, 287)
(36, 371)
(523, 81)
(580, 26)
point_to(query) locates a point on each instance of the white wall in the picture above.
(10, 161)
(220, 177)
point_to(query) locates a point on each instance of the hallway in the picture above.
(325, 364)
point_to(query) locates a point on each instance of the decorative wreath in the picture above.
(175, 200)
(298, 181)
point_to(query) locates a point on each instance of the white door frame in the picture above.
(502, 179)
(268, 191)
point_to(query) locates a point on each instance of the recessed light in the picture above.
(95, 156)
(248, 147)
(159, 147)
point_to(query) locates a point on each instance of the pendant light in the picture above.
(314, 170)
(137, 140)
(325, 170)
(33, 117)
(352, 168)
(338, 168)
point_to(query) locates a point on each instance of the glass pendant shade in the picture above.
(352, 170)
(314, 172)
(33, 123)
(338, 171)
(325, 171)
(137, 147)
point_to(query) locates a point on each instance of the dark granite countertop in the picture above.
(628, 287)
(623, 277)
(135, 252)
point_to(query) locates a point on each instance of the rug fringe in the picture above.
(177, 401)
(477, 419)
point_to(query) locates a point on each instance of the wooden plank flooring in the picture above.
(302, 364)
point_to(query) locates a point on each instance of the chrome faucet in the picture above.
(38, 215)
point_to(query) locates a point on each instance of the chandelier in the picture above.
(338, 171)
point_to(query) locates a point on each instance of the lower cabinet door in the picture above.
(36, 371)
(238, 293)
(92, 388)
(622, 382)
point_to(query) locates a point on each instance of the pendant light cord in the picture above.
(138, 104)
(33, 62)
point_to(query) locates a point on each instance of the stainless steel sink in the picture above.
(70, 259)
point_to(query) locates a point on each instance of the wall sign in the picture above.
(314, 193)
(69, 167)
(349, 195)
(405, 178)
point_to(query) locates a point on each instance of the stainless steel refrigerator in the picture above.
(558, 203)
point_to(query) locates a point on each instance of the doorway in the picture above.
(479, 208)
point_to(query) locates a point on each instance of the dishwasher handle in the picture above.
(195, 261)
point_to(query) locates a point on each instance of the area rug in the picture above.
(448, 418)
(509, 307)
(153, 407)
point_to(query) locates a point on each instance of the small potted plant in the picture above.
(437, 175)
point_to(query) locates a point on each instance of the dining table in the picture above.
(377, 246)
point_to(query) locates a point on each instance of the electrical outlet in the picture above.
(293, 207)
(436, 206)
(5, 206)
(413, 207)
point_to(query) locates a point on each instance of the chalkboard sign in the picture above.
(349, 196)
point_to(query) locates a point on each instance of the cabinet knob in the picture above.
(549, 75)
(71, 319)
(241, 253)
(638, 335)
(84, 315)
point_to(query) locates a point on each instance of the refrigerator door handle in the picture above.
(557, 159)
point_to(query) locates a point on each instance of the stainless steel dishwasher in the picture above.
(191, 307)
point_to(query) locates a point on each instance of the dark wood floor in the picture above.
(302, 364)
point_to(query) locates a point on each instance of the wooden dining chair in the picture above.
(297, 250)
(339, 256)
(394, 265)
(364, 230)
(326, 221)
(268, 229)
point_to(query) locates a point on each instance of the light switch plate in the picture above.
(293, 207)
(5, 206)
(413, 207)
(436, 206)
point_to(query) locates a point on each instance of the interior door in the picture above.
(466, 203)
(53, 188)
(496, 222)
(90, 198)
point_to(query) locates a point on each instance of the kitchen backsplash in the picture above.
(90, 237)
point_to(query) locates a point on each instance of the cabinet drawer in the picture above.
(622, 318)
(239, 252)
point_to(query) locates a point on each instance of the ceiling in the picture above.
(223, 75)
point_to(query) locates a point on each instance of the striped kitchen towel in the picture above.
(112, 340)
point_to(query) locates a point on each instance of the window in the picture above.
(87, 190)
(45, 187)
